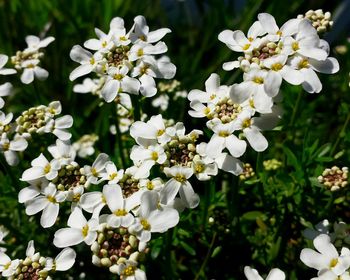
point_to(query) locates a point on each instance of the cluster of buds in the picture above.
(35, 266)
(85, 145)
(129, 184)
(42, 119)
(272, 164)
(320, 20)
(115, 246)
(334, 178)
(28, 60)
(248, 172)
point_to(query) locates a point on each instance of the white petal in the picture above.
(162, 220)
(65, 259)
(169, 191)
(155, 36)
(66, 237)
(311, 81)
(27, 76)
(328, 66)
(114, 197)
(110, 90)
(49, 215)
(235, 146)
(215, 145)
(272, 83)
(188, 196)
(276, 274)
(256, 139)
(76, 219)
(81, 70)
(36, 205)
(40, 73)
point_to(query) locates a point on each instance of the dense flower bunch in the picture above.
(125, 62)
(36, 120)
(35, 266)
(293, 52)
(125, 206)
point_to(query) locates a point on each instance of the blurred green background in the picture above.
(257, 223)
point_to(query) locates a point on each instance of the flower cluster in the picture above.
(36, 120)
(85, 145)
(334, 178)
(320, 20)
(35, 266)
(125, 62)
(28, 60)
(293, 52)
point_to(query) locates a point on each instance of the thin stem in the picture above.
(296, 107)
(136, 107)
(210, 249)
(341, 134)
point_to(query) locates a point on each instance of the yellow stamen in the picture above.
(120, 212)
(145, 224)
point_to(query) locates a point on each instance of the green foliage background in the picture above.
(258, 222)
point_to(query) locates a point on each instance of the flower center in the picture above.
(85, 230)
(180, 178)
(120, 212)
(145, 224)
(129, 271)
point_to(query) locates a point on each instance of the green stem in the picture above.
(296, 107)
(204, 264)
(341, 135)
(136, 107)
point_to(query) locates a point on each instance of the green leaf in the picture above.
(252, 215)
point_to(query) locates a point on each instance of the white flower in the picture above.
(179, 184)
(10, 148)
(88, 85)
(62, 151)
(307, 67)
(35, 188)
(154, 129)
(151, 219)
(237, 41)
(94, 172)
(162, 101)
(145, 158)
(79, 230)
(119, 207)
(63, 261)
(204, 170)
(112, 175)
(119, 82)
(3, 61)
(103, 44)
(213, 91)
(268, 24)
(253, 87)
(278, 70)
(223, 161)
(223, 138)
(88, 61)
(31, 70)
(253, 274)
(129, 271)
(143, 50)
(7, 266)
(59, 126)
(306, 42)
(252, 131)
(41, 167)
(141, 32)
(155, 184)
(48, 202)
(327, 257)
(35, 43)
